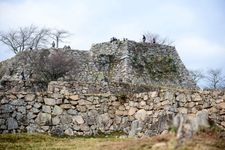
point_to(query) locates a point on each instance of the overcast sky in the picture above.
(196, 26)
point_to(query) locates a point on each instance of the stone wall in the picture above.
(126, 61)
(61, 111)
(141, 63)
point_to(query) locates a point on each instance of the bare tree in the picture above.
(155, 38)
(41, 38)
(196, 75)
(49, 66)
(59, 36)
(24, 38)
(215, 79)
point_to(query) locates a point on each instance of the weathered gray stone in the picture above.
(132, 111)
(19, 116)
(4, 100)
(18, 102)
(55, 120)
(66, 119)
(104, 121)
(69, 132)
(46, 109)
(76, 127)
(136, 127)
(22, 109)
(66, 101)
(153, 94)
(56, 96)
(165, 102)
(81, 108)
(72, 112)
(74, 102)
(49, 101)
(169, 95)
(2, 122)
(113, 98)
(122, 107)
(78, 119)
(84, 127)
(37, 105)
(183, 110)
(35, 110)
(20, 96)
(43, 119)
(7, 108)
(11, 96)
(65, 106)
(202, 119)
(3, 127)
(84, 102)
(191, 104)
(142, 104)
(141, 115)
(40, 99)
(45, 128)
(196, 97)
(30, 115)
(29, 97)
(57, 110)
(12, 124)
(28, 106)
(145, 97)
(74, 97)
(58, 101)
(181, 98)
(221, 105)
(223, 124)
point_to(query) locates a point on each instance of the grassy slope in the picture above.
(202, 141)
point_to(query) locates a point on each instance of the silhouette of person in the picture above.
(143, 38)
(153, 40)
(53, 44)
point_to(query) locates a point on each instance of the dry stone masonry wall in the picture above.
(115, 87)
(126, 61)
(75, 112)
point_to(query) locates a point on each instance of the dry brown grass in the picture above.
(201, 141)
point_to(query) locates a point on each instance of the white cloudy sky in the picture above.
(196, 26)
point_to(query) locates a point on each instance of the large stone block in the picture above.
(49, 101)
(18, 102)
(30, 97)
(141, 115)
(43, 119)
(136, 126)
(12, 124)
(181, 98)
(57, 110)
(69, 132)
(132, 111)
(46, 109)
(7, 108)
(74, 97)
(78, 119)
(55, 120)
(221, 105)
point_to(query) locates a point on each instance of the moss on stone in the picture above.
(157, 66)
